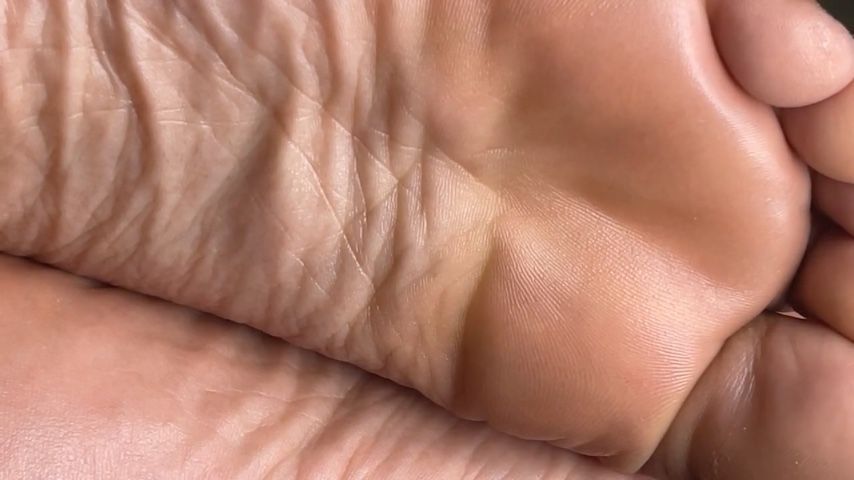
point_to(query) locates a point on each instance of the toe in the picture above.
(775, 404)
(836, 200)
(821, 134)
(787, 53)
(829, 262)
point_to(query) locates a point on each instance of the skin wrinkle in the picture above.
(249, 471)
(386, 444)
(344, 407)
(311, 278)
(414, 165)
(328, 202)
(237, 355)
(212, 43)
(426, 238)
(229, 76)
(209, 33)
(399, 190)
(332, 210)
(53, 111)
(130, 77)
(293, 402)
(131, 175)
(350, 469)
(88, 228)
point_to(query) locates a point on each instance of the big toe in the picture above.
(786, 53)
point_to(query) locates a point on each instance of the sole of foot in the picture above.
(550, 218)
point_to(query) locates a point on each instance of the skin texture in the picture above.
(108, 384)
(461, 197)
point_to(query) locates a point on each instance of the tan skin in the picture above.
(561, 218)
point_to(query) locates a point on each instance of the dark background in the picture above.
(841, 9)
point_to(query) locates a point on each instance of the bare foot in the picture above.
(102, 383)
(96, 376)
(549, 216)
